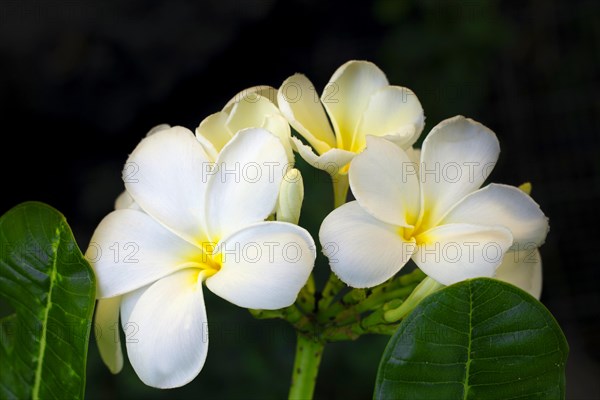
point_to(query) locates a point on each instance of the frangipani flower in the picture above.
(251, 108)
(433, 213)
(199, 223)
(255, 107)
(359, 101)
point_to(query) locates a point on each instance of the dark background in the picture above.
(82, 82)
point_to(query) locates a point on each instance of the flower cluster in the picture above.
(220, 208)
(431, 210)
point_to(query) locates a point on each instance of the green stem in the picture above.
(340, 189)
(306, 297)
(331, 289)
(306, 367)
(376, 301)
(423, 289)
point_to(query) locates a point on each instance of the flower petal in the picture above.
(158, 128)
(261, 113)
(455, 252)
(250, 113)
(129, 249)
(124, 201)
(392, 111)
(167, 339)
(347, 95)
(522, 269)
(385, 182)
(456, 158)
(279, 126)
(250, 94)
(505, 206)
(245, 184)
(363, 251)
(213, 133)
(167, 177)
(298, 102)
(415, 156)
(333, 161)
(264, 265)
(128, 302)
(106, 328)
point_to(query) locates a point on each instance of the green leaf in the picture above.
(478, 339)
(46, 280)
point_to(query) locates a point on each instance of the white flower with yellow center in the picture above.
(359, 101)
(256, 107)
(199, 222)
(433, 212)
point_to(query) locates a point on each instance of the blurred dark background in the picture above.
(93, 77)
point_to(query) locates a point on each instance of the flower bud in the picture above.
(291, 194)
(526, 187)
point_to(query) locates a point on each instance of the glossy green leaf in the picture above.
(51, 287)
(478, 339)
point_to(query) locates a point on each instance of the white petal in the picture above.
(167, 336)
(347, 95)
(393, 111)
(169, 179)
(455, 252)
(250, 94)
(363, 251)
(278, 125)
(300, 104)
(213, 133)
(245, 184)
(129, 249)
(264, 265)
(456, 158)
(250, 113)
(124, 200)
(261, 113)
(106, 328)
(128, 302)
(522, 269)
(385, 182)
(414, 155)
(333, 161)
(158, 128)
(505, 206)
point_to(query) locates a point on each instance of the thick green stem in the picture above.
(306, 367)
(340, 189)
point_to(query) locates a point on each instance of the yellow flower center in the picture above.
(416, 232)
(210, 262)
(351, 142)
(213, 264)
